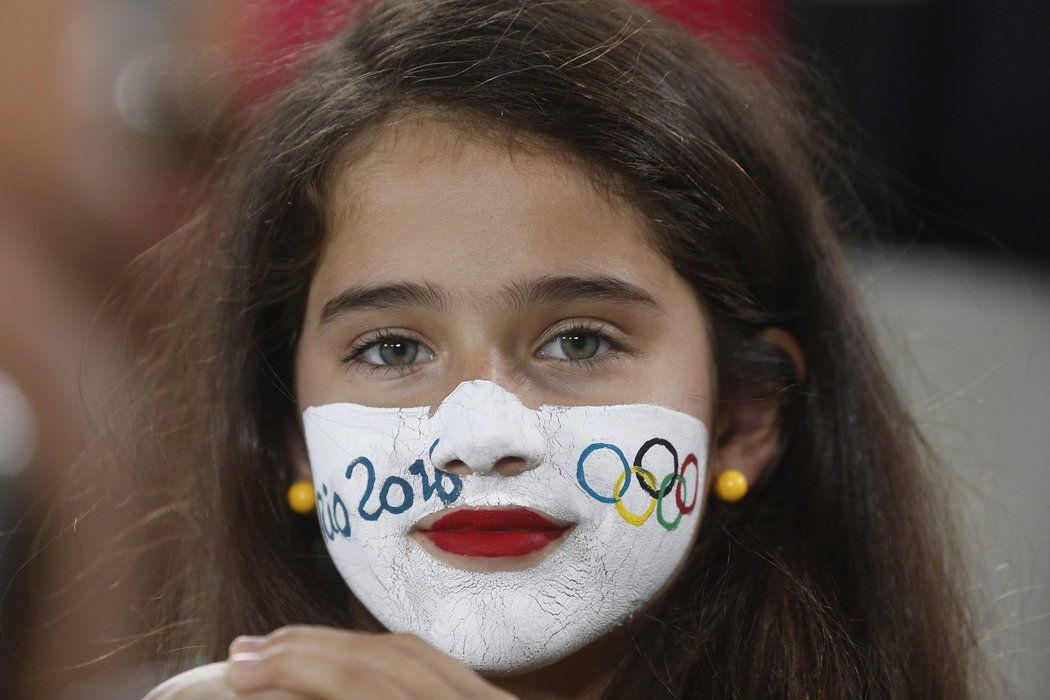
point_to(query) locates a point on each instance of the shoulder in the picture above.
(201, 682)
(206, 683)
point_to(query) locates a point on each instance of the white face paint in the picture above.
(378, 472)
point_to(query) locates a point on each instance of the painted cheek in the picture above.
(610, 497)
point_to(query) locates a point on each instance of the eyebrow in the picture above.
(544, 291)
(388, 296)
(551, 291)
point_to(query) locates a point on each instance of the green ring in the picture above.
(660, 501)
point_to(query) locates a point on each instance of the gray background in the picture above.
(970, 340)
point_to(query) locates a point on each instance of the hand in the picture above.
(322, 663)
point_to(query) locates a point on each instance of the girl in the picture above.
(518, 287)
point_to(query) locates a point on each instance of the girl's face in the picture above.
(484, 310)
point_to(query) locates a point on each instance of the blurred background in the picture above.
(113, 111)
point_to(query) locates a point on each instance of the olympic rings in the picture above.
(674, 481)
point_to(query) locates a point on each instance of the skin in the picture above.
(477, 220)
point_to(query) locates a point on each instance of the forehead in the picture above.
(430, 200)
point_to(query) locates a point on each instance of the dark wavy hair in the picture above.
(836, 577)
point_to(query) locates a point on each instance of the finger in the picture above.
(375, 654)
(406, 661)
(395, 653)
(311, 671)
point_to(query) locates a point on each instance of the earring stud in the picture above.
(731, 485)
(301, 497)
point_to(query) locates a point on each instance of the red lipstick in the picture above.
(497, 532)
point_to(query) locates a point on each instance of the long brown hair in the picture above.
(835, 578)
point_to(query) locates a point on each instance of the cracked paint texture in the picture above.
(601, 572)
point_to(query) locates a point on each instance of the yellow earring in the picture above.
(731, 485)
(301, 497)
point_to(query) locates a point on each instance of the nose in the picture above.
(484, 429)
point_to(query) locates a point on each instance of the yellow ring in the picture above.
(627, 515)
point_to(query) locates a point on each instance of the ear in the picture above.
(302, 467)
(747, 430)
(299, 456)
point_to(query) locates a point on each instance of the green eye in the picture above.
(398, 352)
(579, 346)
(395, 351)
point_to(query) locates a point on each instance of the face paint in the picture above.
(607, 506)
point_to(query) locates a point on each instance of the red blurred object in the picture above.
(271, 34)
(739, 28)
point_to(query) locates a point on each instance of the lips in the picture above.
(497, 532)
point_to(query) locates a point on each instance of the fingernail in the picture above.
(242, 668)
(245, 643)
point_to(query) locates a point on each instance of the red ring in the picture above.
(678, 485)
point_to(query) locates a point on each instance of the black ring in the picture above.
(638, 463)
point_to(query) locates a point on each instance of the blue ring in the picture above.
(582, 479)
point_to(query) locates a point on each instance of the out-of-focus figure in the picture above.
(110, 112)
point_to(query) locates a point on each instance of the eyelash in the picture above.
(604, 333)
(358, 348)
(615, 350)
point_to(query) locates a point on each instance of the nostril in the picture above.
(457, 467)
(511, 466)
(507, 466)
